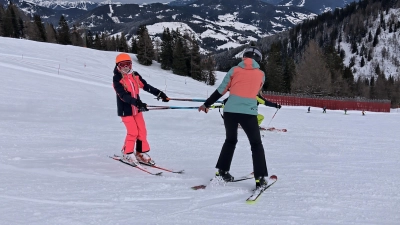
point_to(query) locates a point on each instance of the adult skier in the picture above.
(126, 83)
(244, 82)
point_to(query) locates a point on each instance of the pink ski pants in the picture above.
(135, 130)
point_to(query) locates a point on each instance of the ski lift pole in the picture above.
(272, 117)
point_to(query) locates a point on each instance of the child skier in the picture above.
(261, 100)
(126, 83)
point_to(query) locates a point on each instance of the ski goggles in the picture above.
(124, 64)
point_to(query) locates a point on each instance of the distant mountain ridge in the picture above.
(316, 6)
(218, 24)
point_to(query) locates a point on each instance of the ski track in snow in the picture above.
(57, 131)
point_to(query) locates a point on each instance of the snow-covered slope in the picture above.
(58, 124)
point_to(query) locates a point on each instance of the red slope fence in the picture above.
(332, 103)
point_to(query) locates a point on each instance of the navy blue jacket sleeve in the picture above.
(147, 87)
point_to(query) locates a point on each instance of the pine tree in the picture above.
(40, 27)
(354, 46)
(89, 39)
(376, 37)
(179, 63)
(195, 62)
(10, 22)
(14, 21)
(362, 63)
(381, 87)
(123, 44)
(75, 37)
(145, 53)
(157, 49)
(372, 94)
(2, 14)
(134, 47)
(348, 76)
(208, 70)
(289, 73)
(370, 36)
(104, 41)
(166, 55)
(51, 33)
(63, 32)
(274, 71)
(116, 43)
(21, 28)
(112, 43)
(97, 42)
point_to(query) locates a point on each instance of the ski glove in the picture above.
(278, 106)
(141, 106)
(203, 108)
(163, 96)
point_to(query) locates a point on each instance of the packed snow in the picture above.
(59, 124)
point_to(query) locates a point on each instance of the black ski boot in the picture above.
(261, 182)
(225, 175)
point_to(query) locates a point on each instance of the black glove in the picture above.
(141, 106)
(278, 106)
(163, 96)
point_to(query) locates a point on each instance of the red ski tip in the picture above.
(274, 177)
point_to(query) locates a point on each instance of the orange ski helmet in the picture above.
(122, 57)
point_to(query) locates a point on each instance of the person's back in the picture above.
(244, 81)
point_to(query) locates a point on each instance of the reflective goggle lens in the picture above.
(124, 64)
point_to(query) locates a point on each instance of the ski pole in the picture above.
(191, 100)
(272, 117)
(154, 107)
(182, 107)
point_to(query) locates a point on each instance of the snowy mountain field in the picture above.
(59, 124)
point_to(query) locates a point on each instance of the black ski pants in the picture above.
(249, 124)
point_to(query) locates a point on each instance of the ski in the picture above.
(118, 158)
(162, 168)
(257, 192)
(274, 129)
(246, 177)
(261, 128)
